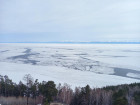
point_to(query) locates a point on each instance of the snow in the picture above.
(61, 75)
(75, 64)
(133, 75)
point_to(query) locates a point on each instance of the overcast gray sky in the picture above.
(69, 20)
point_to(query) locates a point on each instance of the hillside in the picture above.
(47, 92)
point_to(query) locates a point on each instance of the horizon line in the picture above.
(96, 42)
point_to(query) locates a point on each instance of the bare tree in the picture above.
(29, 81)
(65, 94)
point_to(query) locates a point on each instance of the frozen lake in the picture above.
(76, 64)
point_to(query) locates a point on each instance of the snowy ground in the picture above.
(76, 64)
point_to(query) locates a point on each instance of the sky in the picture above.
(69, 20)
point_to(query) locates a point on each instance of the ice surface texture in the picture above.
(94, 64)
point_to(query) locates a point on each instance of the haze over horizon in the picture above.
(69, 21)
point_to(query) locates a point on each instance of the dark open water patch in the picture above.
(4, 51)
(27, 51)
(33, 62)
(110, 56)
(25, 57)
(115, 56)
(130, 51)
(123, 72)
(81, 54)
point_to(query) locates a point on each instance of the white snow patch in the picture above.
(61, 75)
(133, 75)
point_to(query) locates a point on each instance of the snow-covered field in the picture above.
(76, 64)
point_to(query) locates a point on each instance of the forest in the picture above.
(33, 92)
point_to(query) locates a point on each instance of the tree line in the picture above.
(46, 92)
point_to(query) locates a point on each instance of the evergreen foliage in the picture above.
(110, 95)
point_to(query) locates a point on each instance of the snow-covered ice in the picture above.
(76, 64)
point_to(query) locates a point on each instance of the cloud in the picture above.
(71, 19)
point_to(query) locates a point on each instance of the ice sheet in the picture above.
(94, 64)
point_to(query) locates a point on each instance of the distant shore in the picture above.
(79, 42)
